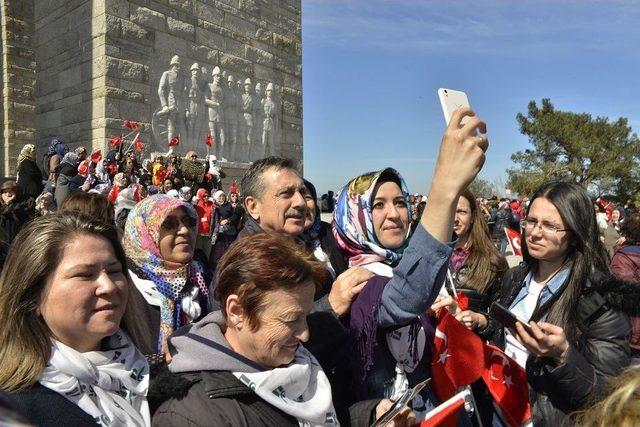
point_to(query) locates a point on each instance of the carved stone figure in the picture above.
(232, 110)
(257, 149)
(247, 120)
(173, 99)
(214, 98)
(271, 122)
(197, 120)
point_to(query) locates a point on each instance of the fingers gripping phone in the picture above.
(507, 318)
(451, 100)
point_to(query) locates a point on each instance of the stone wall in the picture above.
(75, 69)
(18, 81)
(69, 46)
(257, 39)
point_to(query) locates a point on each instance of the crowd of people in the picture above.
(140, 293)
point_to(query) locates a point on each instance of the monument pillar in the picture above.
(18, 58)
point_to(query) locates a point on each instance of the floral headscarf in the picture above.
(141, 245)
(120, 180)
(353, 221)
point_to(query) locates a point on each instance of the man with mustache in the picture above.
(274, 197)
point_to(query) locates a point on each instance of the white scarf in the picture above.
(399, 343)
(110, 385)
(300, 389)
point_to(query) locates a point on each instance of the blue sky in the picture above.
(371, 69)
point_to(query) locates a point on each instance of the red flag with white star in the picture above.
(458, 357)
(447, 413)
(137, 143)
(175, 141)
(116, 141)
(507, 383)
(133, 125)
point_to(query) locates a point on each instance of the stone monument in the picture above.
(77, 69)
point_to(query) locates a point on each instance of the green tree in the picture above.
(480, 187)
(602, 156)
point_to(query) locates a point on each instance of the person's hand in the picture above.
(448, 302)
(346, 287)
(224, 221)
(619, 243)
(471, 319)
(462, 153)
(547, 340)
(405, 418)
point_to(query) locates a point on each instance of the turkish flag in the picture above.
(507, 383)
(116, 141)
(137, 143)
(161, 175)
(234, 187)
(463, 301)
(446, 414)
(458, 357)
(96, 156)
(113, 194)
(175, 141)
(209, 140)
(132, 125)
(515, 240)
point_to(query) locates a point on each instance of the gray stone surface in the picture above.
(75, 69)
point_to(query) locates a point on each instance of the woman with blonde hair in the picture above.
(65, 352)
(28, 176)
(620, 408)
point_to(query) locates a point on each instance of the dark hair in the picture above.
(586, 251)
(93, 204)
(252, 184)
(263, 262)
(630, 229)
(25, 343)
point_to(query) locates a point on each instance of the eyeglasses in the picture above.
(546, 227)
(171, 223)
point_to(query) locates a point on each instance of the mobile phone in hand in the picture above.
(451, 100)
(506, 318)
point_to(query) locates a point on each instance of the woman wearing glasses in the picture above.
(159, 241)
(576, 310)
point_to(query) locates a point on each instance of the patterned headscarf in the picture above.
(353, 221)
(184, 194)
(119, 180)
(141, 244)
(26, 153)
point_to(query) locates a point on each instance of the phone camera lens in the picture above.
(446, 91)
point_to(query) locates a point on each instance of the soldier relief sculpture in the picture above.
(242, 122)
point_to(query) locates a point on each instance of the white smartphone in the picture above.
(451, 100)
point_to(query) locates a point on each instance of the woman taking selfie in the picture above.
(390, 336)
(579, 333)
(64, 353)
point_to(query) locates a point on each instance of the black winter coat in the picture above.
(218, 398)
(29, 179)
(47, 408)
(601, 350)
